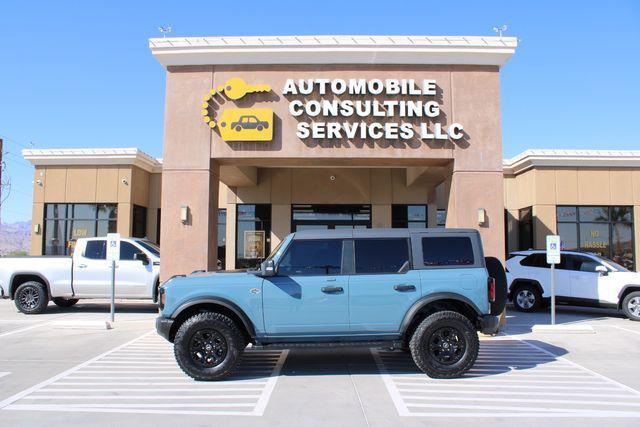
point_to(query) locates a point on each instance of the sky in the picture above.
(80, 73)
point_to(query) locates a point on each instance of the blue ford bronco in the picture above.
(424, 291)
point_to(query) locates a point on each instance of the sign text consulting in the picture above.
(424, 106)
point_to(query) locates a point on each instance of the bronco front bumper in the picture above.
(489, 324)
(163, 327)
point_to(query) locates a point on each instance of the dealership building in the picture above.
(264, 136)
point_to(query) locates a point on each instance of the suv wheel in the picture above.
(208, 346)
(31, 298)
(527, 298)
(63, 302)
(631, 306)
(445, 345)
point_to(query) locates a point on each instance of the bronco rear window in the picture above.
(440, 251)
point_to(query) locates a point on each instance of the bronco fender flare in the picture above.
(422, 302)
(246, 322)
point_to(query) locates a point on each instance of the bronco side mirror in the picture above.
(268, 268)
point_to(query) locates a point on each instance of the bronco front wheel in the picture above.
(445, 345)
(208, 346)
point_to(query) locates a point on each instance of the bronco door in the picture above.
(309, 295)
(383, 286)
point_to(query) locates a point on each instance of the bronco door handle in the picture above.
(404, 288)
(332, 289)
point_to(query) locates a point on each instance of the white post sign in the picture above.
(113, 255)
(553, 258)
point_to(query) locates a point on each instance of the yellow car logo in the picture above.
(239, 124)
(246, 124)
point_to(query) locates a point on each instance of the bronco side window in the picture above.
(312, 257)
(381, 255)
(447, 251)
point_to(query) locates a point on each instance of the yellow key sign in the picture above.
(246, 124)
(236, 88)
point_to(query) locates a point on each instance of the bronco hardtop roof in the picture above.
(379, 233)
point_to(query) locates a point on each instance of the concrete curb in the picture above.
(83, 324)
(563, 329)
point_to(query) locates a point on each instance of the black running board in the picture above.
(396, 344)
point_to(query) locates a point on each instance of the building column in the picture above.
(470, 191)
(190, 178)
(280, 223)
(381, 216)
(432, 207)
(193, 244)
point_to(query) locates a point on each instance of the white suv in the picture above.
(581, 279)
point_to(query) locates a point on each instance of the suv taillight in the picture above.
(491, 286)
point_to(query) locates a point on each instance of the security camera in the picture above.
(332, 177)
(124, 181)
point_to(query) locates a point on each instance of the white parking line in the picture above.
(111, 382)
(512, 378)
(28, 328)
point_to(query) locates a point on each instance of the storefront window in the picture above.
(253, 234)
(329, 217)
(603, 230)
(65, 223)
(139, 223)
(525, 228)
(441, 218)
(222, 238)
(409, 216)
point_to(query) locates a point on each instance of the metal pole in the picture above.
(113, 290)
(553, 294)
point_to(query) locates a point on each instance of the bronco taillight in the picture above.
(491, 285)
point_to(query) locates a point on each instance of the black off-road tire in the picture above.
(531, 294)
(633, 299)
(209, 321)
(428, 332)
(31, 298)
(64, 302)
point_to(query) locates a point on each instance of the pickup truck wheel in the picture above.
(63, 302)
(31, 298)
(527, 298)
(445, 345)
(208, 346)
(631, 306)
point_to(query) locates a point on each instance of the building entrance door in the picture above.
(330, 217)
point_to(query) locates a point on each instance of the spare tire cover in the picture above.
(495, 269)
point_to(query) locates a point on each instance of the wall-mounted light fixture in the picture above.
(39, 182)
(36, 228)
(184, 214)
(482, 216)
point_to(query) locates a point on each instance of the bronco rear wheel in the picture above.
(445, 345)
(208, 346)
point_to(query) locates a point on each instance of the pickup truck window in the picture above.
(96, 249)
(312, 257)
(438, 251)
(128, 251)
(380, 255)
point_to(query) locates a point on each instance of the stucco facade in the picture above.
(290, 169)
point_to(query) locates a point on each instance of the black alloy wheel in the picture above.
(31, 298)
(447, 345)
(208, 348)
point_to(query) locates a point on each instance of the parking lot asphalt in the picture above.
(54, 374)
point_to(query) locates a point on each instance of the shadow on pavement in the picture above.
(496, 357)
(104, 307)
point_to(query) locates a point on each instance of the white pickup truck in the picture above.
(33, 281)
